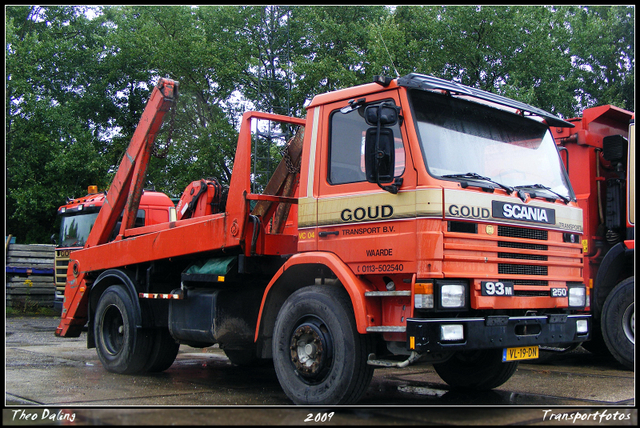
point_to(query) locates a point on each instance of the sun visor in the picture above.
(430, 83)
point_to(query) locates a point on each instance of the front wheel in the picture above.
(121, 346)
(618, 322)
(477, 370)
(318, 354)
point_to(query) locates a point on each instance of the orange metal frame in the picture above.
(212, 232)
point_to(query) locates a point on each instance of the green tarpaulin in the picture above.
(218, 267)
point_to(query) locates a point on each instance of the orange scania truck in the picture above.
(411, 220)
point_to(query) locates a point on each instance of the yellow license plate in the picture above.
(521, 353)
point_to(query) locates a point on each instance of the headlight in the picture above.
(452, 296)
(451, 332)
(577, 297)
(582, 327)
(441, 295)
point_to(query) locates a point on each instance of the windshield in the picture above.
(461, 137)
(74, 230)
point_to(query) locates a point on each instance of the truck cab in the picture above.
(470, 243)
(77, 217)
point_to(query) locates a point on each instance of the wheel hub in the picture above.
(310, 350)
(113, 331)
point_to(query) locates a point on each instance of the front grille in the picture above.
(62, 263)
(509, 269)
(520, 232)
(531, 293)
(522, 256)
(537, 282)
(522, 246)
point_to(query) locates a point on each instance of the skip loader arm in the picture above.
(124, 193)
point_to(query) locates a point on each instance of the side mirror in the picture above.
(384, 114)
(380, 160)
(54, 239)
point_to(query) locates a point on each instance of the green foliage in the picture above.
(184, 44)
(52, 120)
(332, 46)
(602, 46)
(78, 78)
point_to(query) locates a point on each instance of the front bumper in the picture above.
(424, 334)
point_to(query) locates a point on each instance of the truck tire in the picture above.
(476, 370)
(318, 354)
(618, 322)
(122, 347)
(163, 351)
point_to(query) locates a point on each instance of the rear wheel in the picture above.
(618, 322)
(318, 354)
(121, 346)
(163, 351)
(477, 370)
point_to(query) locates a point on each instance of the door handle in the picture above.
(323, 234)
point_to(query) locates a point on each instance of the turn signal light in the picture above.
(423, 295)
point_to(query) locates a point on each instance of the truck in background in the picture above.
(599, 155)
(77, 217)
(412, 220)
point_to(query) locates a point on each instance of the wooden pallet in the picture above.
(30, 275)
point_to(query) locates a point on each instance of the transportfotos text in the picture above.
(598, 416)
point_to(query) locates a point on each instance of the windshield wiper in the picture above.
(543, 187)
(475, 176)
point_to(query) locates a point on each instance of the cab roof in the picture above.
(430, 83)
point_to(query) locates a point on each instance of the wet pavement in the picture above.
(46, 374)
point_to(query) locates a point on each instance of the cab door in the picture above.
(369, 228)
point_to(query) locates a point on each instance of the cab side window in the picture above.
(140, 219)
(346, 148)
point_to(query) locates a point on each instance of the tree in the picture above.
(78, 78)
(602, 49)
(557, 58)
(331, 47)
(53, 124)
(196, 47)
(509, 50)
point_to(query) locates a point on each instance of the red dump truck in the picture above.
(599, 153)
